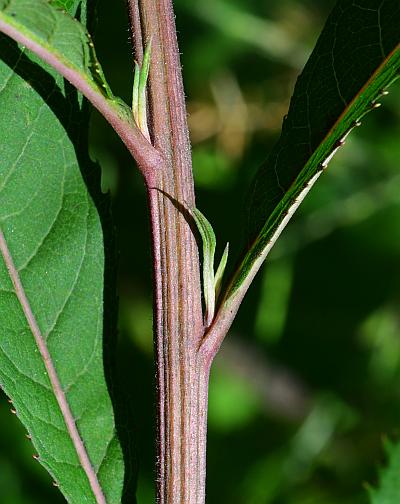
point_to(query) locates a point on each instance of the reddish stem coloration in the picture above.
(182, 370)
(182, 373)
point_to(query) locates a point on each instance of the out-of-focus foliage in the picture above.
(308, 381)
(388, 490)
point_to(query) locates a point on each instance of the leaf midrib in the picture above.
(266, 234)
(55, 383)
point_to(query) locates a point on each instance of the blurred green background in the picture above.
(308, 381)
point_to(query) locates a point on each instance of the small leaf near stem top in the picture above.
(220, 271)
(139, 93)
(211, 281)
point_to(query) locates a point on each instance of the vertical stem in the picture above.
(182, 373)
(136, 29)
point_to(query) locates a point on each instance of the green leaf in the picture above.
(58, 33)
(356, 58)
(139, 93)
(209, 244)
(52, 233)
(388, 491)
(65, 45)
(221, 270)
(211, 282)
(68, 5)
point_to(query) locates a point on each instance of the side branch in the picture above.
(146, 156)
(234, 294)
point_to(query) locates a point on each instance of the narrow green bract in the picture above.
(211, 282)
(139, 92)
(220, 271)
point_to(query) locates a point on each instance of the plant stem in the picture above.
(182, 373)
(182, 378)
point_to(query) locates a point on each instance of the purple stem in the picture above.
(182, 373)
(136, 29)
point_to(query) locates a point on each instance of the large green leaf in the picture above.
(58, 33)
(65, 44)
(388, 491)
(53, 234)
(356, 58)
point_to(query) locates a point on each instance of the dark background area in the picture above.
(307, 382)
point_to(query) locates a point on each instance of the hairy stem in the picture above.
(182, 375)
(136, 29)
(182, 378)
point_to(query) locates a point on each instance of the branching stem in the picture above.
(147, 157)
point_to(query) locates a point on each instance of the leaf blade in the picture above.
(317, 124)
(209, 245)
(60, 34)
(70, 51)
(54, 234)
(304, 149)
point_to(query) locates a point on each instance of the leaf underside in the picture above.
(59, 34)
(356, 58)
(54, 235)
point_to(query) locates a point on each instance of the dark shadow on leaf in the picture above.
(73, 114)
